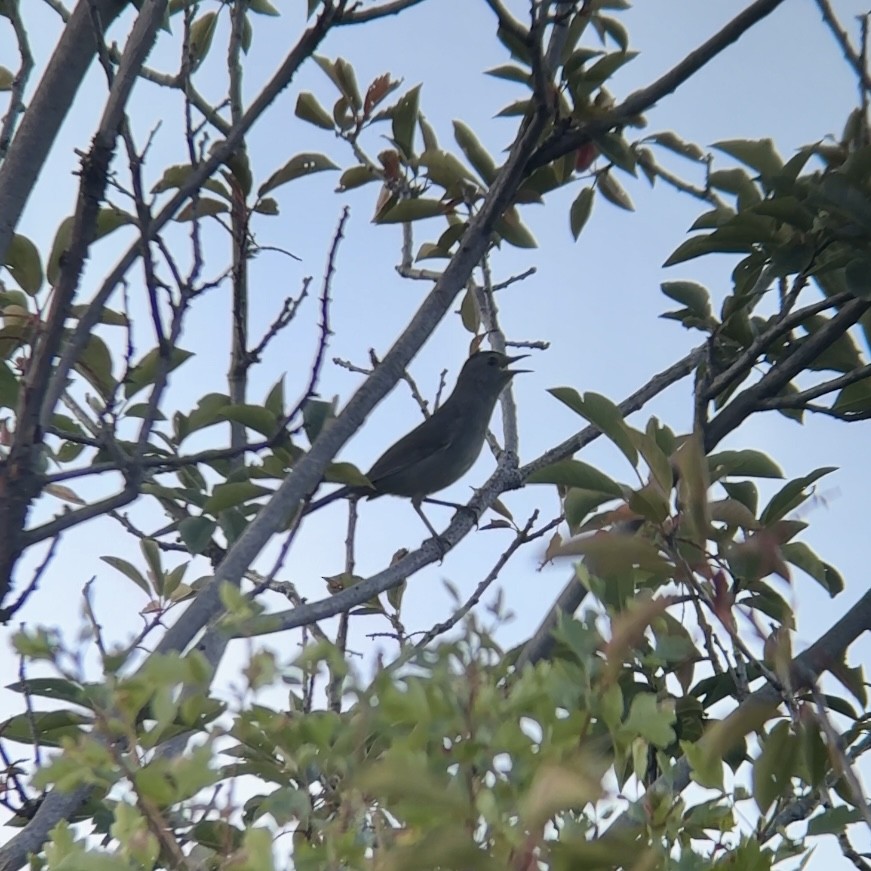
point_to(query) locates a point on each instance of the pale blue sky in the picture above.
(596, 301)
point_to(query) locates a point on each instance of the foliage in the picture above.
(575, 749)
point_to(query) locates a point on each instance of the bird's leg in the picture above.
(455, 505)
(442, 544)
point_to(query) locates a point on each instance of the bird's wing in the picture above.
(426, 440)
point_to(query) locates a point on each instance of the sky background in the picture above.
(596, 301)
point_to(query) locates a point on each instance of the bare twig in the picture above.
(523, 536)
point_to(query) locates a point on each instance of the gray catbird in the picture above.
(445, 446)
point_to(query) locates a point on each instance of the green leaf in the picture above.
(49, 728)
(60, 690)
(445, 170)
(758, 154)
(107, 315)
(129, 570)
(475, 153)
(511, 73)
(274, 401)
(196, 533)
(791, 495)
(706, 244)
(518, 107)
(695, 297)
(356, 176)
(773, 768)
(656, 459)
(707, 768)
(579, 503)
(201, 35)
(7, 78)
(145, 371)
(603, 414)
(833, 821)
(514, 231)
(854, 397)
(95, 364)
(254, 417)
(234, 493)
(346, 473)
(799, 554)
(309, 109)
(469, 314)
(177, 176)
(404, 121)
(616, 149)
(614, 192)
(23, 263)
(753, 464)
(580, 211)
(262, 7)
(8, 387)
(302, 164)
(108, 219)
(574, 473)
(412, 210)
(316, 414)
(674, 143)
(429, 251)
(203, 207)
(266, 206)
(650, 720)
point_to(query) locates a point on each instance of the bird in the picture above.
(445, 446)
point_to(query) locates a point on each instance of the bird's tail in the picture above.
(341, 493)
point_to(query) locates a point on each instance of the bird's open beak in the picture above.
(514, 360)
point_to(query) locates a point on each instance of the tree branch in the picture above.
(567, 140)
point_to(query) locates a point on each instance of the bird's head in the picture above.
(488, 370)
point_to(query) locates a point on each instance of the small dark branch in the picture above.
(800, 400)
(780, 327)
(863, 91)
(6, 614)
(850, 853)
(812, 408)
(564, 142)
(541, 645)
(357, 15)
(19, 84)
(541, 76)
(295, 57)
(416, 395)
(74, 438)
(288, 312)
(96, 628)
(700, 192)
(489, 311)
(42, 384)
(839, 759)
(29, 713)
(279, 560)
(240, 358)
(501, 285)
(334, 691)
(11, 775)
(325, 331)
(165, 546)
(771, 384)
(74, 518)
(523, 536)
(843, 40)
